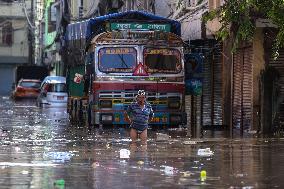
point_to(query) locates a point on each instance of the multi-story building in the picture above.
(189, 13)
(15, 28)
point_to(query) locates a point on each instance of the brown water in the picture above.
(41, 149)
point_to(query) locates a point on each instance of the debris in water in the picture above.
(203, 175)
(140, 162)
(168, 170)
(25, 172)
(59, 184)
(124, 153)
(95, 164)
(59, 156)
(205, 152)
(189, 142)
(162, 137)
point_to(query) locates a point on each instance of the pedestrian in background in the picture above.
(140, 112)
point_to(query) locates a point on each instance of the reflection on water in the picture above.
(41, 149)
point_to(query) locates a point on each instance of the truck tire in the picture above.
(80, 117)
(89, 116)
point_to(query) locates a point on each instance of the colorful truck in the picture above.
(110, 58)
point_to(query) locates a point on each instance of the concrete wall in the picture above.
(13, 12)
(191, 23)
(258, 66)
(164, 8)
(14, 9)
(7, 73)
(20, 41)
(91, 6)
(17, 53)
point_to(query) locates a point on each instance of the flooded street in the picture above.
(41, 149)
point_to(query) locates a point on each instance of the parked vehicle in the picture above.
(53, 92)
(109, 58)
(27, 88)
(53, 78)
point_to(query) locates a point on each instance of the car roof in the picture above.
(31, 80)
(54, 79)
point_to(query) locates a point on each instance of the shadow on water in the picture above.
(41, 149)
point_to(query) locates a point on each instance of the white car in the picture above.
(53, 92)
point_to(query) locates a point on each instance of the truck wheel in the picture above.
(89, 116)
(74, 110)
(80, 112)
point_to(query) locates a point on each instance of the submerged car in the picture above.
(27, 88)
(53, 92)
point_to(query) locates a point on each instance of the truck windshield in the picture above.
(117, 59)
(162, 60)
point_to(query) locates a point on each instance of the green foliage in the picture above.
(238, 17)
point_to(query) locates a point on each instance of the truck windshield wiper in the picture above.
(122, 60)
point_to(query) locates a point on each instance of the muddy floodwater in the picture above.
(41, 149)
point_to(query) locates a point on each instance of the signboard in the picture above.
(78, 78)
(194, 86)
(140, 71)
(136, 26)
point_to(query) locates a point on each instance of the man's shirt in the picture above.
(140, 116)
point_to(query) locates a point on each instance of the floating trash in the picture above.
(205, 152)
(10, 112)
(140, 162)
(168, 170)
(162, 137)
(59, 156)
(124, 153)
(24, 172)
(59, 184)
(189, 142)
(203, 175)
(186, 174)
(95, 164)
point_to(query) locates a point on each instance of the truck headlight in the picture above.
(105, 104)
(175, 119)
(106, 118)
(173, 104)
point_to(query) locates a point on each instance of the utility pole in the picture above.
(31, 35)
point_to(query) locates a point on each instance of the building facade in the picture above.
(14, 40)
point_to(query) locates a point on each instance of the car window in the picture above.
(55, 87)
(30, 84)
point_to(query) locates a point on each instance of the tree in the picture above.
(238, 17)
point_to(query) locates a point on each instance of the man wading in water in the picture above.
(139, 113)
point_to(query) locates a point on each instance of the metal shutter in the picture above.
(242, 88)
(278, 64)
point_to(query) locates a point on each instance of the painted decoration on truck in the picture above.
(78, 78)
(140, 26)
(140, 71)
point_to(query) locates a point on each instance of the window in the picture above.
(117, 60)
(6, 31)
(55, 87)
(51, 18)
(30, 84)
(162, 60)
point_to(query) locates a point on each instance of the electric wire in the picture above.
(26, 14)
